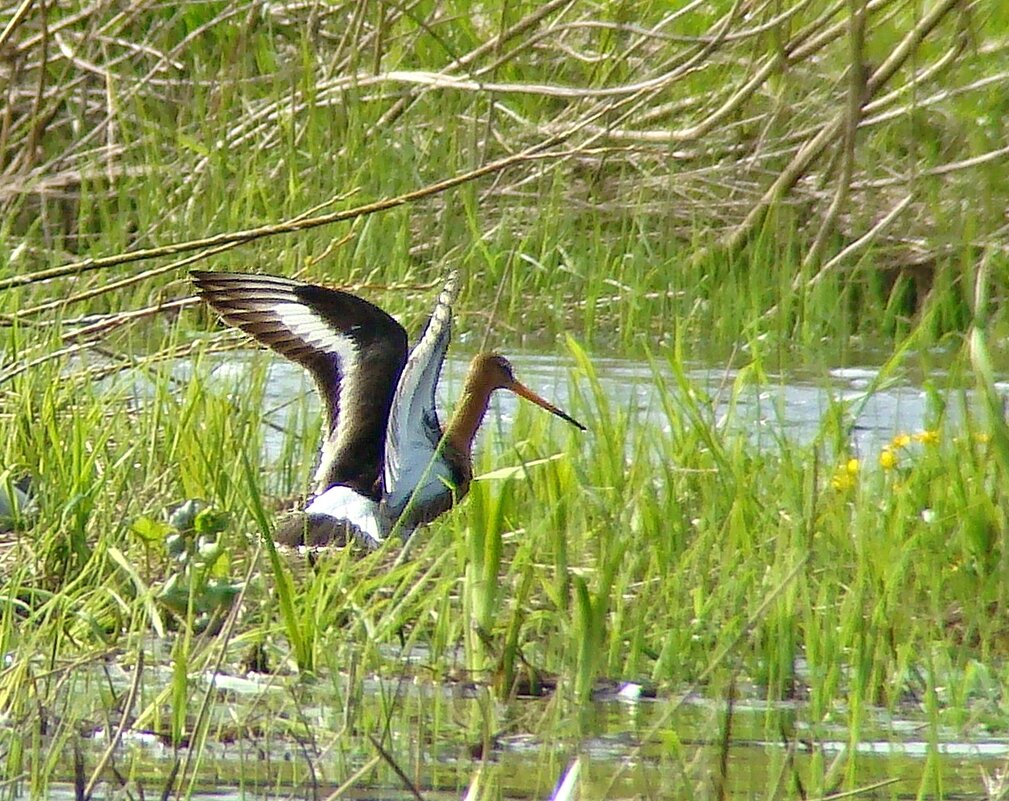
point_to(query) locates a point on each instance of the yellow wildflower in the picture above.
(887, 459)
(928, 436)
(845, 475)
(902, 440)
(842, 482)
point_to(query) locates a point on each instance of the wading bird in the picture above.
(386, 464)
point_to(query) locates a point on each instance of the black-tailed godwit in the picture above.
(386, 464)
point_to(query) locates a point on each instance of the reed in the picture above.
(811, 184)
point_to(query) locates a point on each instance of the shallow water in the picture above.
(791, 407)
(280, 735)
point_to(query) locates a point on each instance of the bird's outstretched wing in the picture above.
(354, 351)
(413, 431)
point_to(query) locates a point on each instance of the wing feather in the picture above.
(414, 431)
(353, 349)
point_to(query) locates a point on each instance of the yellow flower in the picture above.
(845, 475)
(928, 436)
(887, 459)
(902, 440)
(982, 437)
(842, 482)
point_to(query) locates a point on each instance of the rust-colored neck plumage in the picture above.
(481, 381)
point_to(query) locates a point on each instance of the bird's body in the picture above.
(386, 463)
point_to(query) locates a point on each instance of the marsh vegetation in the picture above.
(765, 190)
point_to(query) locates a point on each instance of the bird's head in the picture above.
(496, 372)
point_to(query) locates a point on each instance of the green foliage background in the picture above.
(768, 186)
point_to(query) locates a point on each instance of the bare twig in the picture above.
(124, 723)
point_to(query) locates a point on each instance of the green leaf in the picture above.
(150, 530)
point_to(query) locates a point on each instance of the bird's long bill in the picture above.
(524, 392)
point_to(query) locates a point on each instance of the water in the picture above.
(789, 407)
(281, 735)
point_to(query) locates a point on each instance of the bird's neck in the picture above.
(468, 415)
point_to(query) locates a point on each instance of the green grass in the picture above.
(679, 554)
(689, 557)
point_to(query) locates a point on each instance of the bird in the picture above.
(16, 502)
(386, 463)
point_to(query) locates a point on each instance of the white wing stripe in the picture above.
(313, 329)
(316, 332)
